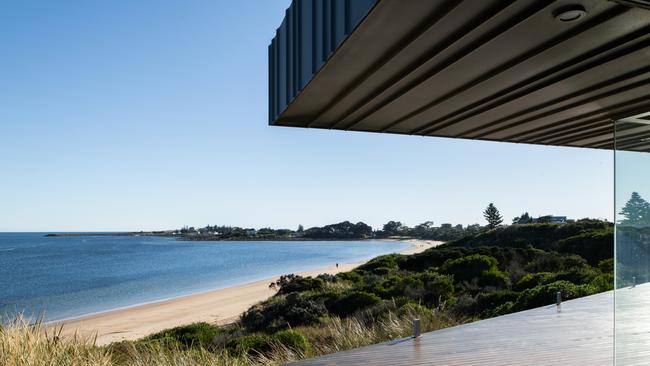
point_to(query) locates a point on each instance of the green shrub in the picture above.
(300, 311)
(487, 302)
(494, 278)
(293, 310)
(382, 263)
(603, 282)
(256, 317)
(324, 297)
(606, 265)
(433, 257)
(354, 301)
(468, 267)
(555, 262)
(383, 271)
(299, 284)
(582, 274)
(292, 340)
(251, 344)
(578, 275)
(503, 309)
(509, 257)
(534, 279)
(370, 315)
(482, 268)
(546, 294)
(592, 245)
(328, 277)
(464, 305)
(438, 289)
(410, 286)
(352, 276)
(187, 336)
(429, 287)
(380, 286)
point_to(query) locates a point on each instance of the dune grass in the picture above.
(23, 344)
(365, 328)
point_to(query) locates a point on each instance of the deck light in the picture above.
(569, 13)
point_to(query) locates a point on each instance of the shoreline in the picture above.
(219, 306)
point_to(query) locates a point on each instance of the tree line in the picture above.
(345, 230)
(636, 213)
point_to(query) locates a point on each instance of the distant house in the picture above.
(251, 232)
(559, 219)
(445, 226)
(551, 219)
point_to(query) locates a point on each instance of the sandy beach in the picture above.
(219, 306)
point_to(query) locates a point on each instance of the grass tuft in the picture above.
(22, 343)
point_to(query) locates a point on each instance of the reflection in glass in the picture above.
(632, 246)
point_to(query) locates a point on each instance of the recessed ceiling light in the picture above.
(569, 13)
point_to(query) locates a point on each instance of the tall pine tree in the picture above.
(492, 216)
(636, 212)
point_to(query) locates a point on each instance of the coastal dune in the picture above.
(219, 306)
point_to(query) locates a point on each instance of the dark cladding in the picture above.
(309, 34)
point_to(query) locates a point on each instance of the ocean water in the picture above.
(64, 277)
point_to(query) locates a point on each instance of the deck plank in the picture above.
(581, 334)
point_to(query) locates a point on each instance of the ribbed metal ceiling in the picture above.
(633, 133)
(491, 70)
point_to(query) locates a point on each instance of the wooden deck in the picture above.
(581, 334)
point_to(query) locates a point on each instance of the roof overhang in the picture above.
(494, 70)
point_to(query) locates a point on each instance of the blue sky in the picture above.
(123, 115)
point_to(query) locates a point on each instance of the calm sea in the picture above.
(66, 277)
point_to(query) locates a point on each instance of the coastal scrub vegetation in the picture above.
(490, 273)
(499, 271)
